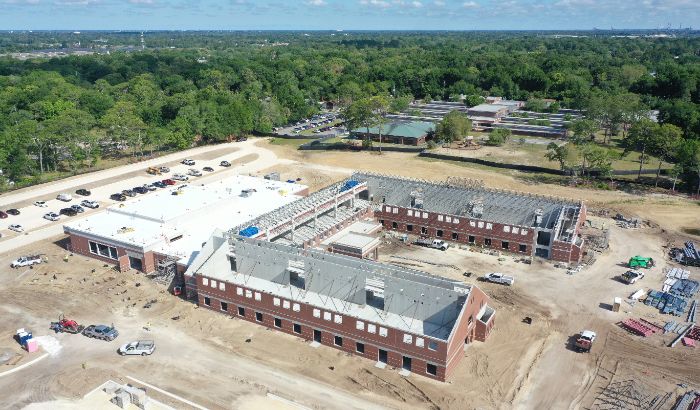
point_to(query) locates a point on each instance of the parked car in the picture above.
(241, 139)
(64, 197)
(150, 187)
(499, 278)
(51, 216)
(189, 162)
(159, 184)
(208, 169)
(140, 190)
(77, 208)
(194, 172)
(16, 228)
(3, 215)
(101, 332)
(13, 211)
(139, 347)
(68, 212)
(181, 177)
(129, 192)
(40, 204)
(224, 164)
(632, 276)
(26, 261)
(168, 182)
(90, 204)
(164, 170)
(118, 197)
(83, 192)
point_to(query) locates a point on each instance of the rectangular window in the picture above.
(472, 224)
(515, 230)
(409, 228)
(423, 230)
(317, 313)
(505, 245)
(257, 296)
(258, 317)
(224, 306)
(371, 328)
(487, 241)
(93, 247)
(408, 339)
(410, 212)
(480, 224)
(522, 248)
(455, 236)
(338, 341)
(248, 293)
(455, 221)
(327, 316)
(489, 226)
(296, 328)
(103, 250)
(431, 369)
(448, 219)
(360, 347)
(420, 342)
(383, 332)
(205, 281)
(278, 322)
(440, 218)
(425, 215)
(213, 284)
(472, 239)
(359, 325)
(394, 225)
(241, 311)
(506, 228)
(432, 345)
(338, 319)
(523, 232)
(439, 233)
(285, 304)
(396, 210)
(207, 301)
(276, 301)
(222, 286)
(296, 307)
(239, 291)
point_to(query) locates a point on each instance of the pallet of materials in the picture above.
(666, 302)
(688, 255)
(677, 273)
(685, 287)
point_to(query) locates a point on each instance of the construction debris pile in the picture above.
(627, 223)
(688, 255)
(689, 401)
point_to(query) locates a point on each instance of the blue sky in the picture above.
(346, 14)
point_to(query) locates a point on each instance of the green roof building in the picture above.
(398, 132)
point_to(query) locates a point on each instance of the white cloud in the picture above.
(470, 5)
(315, 3)
(376, 3)
(439, 3)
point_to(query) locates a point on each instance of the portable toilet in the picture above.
(23, 336)
(31, 345)
(616, 304)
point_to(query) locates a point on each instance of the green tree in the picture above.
(642, 137)
(666, 145)
(453, 127)
(558, 153)
(499, 136)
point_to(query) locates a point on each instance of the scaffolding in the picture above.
(165, 270)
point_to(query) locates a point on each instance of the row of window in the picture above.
(103, 250)
(455, 237)
(213, 284)
(450, 219)
(337, 340)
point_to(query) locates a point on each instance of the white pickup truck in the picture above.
(26, 261)
(139, 347)
(499, 278)
(433, 243)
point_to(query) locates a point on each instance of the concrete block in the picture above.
(122, 399)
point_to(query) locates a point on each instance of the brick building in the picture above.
(506, 221)
(397, 317)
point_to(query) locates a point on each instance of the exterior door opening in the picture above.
(406, 364)
(382, 356)
(317, 336)
(135, 263)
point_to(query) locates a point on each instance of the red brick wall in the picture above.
(392, 343)
(79, 245)
(463, 229)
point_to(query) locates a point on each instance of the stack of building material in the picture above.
(694, 333)
(670, 326)
(685, 287)
(638, 327)
(691, 312)
(686, 401)
(678, 273)
(666, 302)
(689, 255)
(668, 284)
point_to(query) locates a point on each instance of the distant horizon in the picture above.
(348, 15)
(136, 30)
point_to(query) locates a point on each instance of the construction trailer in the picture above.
(394, 316)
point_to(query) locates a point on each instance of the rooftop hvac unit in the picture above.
(417, 199)
(538, 216)
(476, 209)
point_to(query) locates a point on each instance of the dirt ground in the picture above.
(222, 362)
